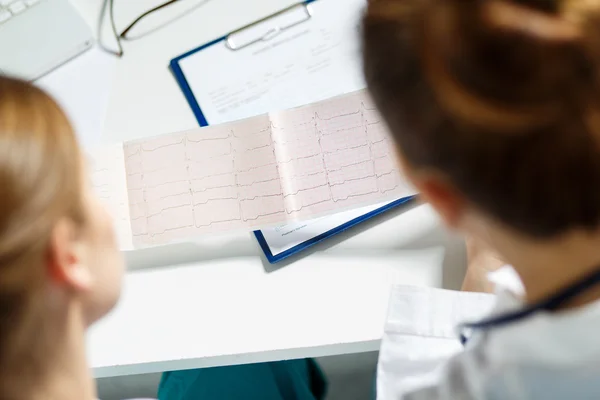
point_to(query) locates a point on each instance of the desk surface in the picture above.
(216, 302)
(229, 310)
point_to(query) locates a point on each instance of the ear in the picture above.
(65, 258)
(442, 196)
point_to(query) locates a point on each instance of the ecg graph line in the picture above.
(234, 141)
(292, 165)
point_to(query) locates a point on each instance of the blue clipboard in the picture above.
(225, 40)
(311, 242)
(202, 121)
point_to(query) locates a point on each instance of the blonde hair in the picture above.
(40, 183)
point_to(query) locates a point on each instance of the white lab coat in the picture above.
(544, 357)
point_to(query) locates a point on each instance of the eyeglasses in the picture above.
(123, 35)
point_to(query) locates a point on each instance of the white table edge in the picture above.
(238, 359)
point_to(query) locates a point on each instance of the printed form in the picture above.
(313, 61)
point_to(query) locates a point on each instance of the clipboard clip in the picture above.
(262, 31)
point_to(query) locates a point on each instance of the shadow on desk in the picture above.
(348, 244)
(381, 235)
(234, 245)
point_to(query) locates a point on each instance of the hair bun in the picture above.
(501, 97)
(518, 63)
(542, 20)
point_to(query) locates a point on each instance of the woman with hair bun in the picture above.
(494, 107)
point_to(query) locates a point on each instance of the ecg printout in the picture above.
(334, 154)
(211, 179)
(286, 166)
(107, 170)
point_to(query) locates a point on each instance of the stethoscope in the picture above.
(550, 304)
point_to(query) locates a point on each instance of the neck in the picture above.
(70, 377)
(62, 372)
(547, 267)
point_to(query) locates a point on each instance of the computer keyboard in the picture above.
(13, 8)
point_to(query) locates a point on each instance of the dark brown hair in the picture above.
(501, 96)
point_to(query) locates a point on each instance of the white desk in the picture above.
(223, 305)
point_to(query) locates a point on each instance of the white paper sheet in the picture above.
(287, 236)
(82, 88)
(312, 61)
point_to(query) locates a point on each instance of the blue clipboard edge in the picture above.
(185, 86)
(311, 242)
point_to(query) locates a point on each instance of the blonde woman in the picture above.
(60, 271)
